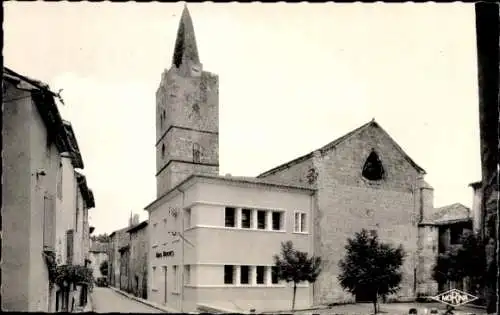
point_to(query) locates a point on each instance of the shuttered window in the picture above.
(49, 218)
(69, 246)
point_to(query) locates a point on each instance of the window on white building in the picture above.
(59, 181)
(300, 222)
(176, 279)
(277, 219)
(187, 274)
(246, 218)
(244, 274)
(261, 274)
(261, 219)
(187, 222)
(274, 275)
(229, 271)
(153, 279)
(230, 217)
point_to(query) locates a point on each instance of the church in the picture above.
(212, 238)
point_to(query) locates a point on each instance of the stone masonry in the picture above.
(187, 114)
(139, 259)
(347, 202)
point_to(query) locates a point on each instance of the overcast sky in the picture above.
(293, 77)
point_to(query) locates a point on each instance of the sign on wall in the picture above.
(169, 253)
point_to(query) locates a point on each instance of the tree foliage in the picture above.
(370, 266)
(296, 266)
(104, 268)
(66, 275)
(465, 260)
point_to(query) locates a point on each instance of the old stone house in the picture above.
(124, 252)
(117, 240)
(138, 265)
(452, 222)
(98, 254)
(40, 156)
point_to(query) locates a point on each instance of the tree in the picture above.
(371, 267)
(104, 268)
(295, 266)
(468, 260)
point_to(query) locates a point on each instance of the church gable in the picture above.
(368, 156)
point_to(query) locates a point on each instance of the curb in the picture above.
(145, 302)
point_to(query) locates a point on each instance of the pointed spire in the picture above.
(185, 44)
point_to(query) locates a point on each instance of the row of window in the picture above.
(262, 219)
(234, 275)
(250, 275)
(256, 219)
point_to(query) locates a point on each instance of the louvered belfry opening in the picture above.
(373, 168)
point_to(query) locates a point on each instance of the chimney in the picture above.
(426, 203)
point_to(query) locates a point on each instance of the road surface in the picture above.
(105, 300)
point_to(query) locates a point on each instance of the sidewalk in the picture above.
(145, 302)
(88, 308)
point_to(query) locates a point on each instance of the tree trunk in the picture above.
(294, 292)
(375, 303)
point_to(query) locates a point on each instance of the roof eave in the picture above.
(76, 157)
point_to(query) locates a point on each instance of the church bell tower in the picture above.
(187, 115)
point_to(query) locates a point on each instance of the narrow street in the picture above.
(106, 300)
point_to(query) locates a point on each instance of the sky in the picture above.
(292, 77)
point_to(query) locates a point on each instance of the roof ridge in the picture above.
(336, 142)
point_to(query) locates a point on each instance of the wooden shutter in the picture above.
(49, 220)
(69, 246)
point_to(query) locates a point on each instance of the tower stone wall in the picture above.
(187, 115)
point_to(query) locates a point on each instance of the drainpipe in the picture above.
(312, 235)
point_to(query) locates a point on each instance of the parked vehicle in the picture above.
(102, 282)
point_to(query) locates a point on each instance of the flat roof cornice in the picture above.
(247, 181)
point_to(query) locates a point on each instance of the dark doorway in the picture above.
(136, 291)
(363, 296)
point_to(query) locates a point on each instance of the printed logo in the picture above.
(454, 297)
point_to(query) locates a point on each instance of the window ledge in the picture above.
(237, 228)
(176, 293)
(234, 286)
(303, 233)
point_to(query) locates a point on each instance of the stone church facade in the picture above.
(349, 198)
(361, 180)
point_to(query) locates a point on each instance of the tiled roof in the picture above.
(137, 227)
(43, 98)
(451, 213)
(87, 193)
(98, 247)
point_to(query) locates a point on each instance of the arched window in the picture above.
(373, 169)
(162, 118)
(163, 150)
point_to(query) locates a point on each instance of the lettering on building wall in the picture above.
(169, 253)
